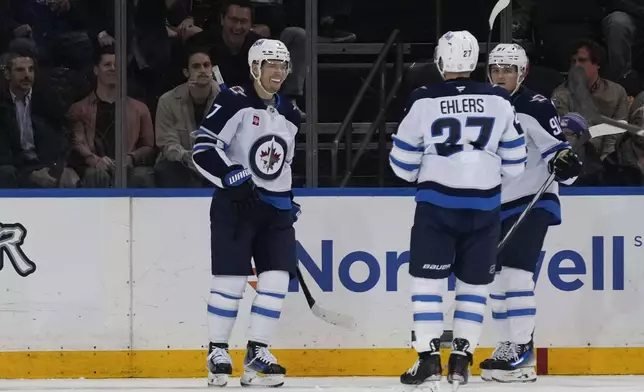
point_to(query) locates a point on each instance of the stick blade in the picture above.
(335, 318)
(498, 7)
(604, 130)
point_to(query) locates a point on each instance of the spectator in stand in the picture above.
(556, 25)
(56, 26)
(609, 97)
(593, 172)
(620, 26)
(229, 44)
(179, 113)
(93, 125)
(149, 41)
(33, 145)
(625, 165)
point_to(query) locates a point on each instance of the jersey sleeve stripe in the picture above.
(518, 142)
(211, 160)
(407, 175)
(405, 156)
(215, 180)
(513, 161)
(512, 154)
(403, 165)
(403, 145)
(204, 146)
(206, 132)
(557, 147)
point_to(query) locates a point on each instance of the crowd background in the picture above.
(59, 90)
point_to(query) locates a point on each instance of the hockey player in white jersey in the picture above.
(512, 297)
(245, 147)
(457, 140)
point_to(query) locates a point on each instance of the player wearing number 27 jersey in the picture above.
(457, 140)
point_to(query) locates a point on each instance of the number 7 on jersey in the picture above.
(215, 108)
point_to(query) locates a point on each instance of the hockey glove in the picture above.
(296, 211)
(565, 165)
(240, 189)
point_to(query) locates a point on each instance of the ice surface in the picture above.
(331, 384)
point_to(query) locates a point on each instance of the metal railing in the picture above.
(346, 131)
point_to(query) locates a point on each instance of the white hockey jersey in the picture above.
(242, 130)
(457, 140)
(544, 138)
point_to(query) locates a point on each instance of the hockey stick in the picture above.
(498, 7)
(326, 315)
(331, 317)
(582, 103)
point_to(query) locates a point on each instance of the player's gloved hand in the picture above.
(296, 211)
(240, 188)
(565, 165)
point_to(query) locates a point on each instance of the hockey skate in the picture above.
(458, 369)
(219, 365)
(427, 367)
(261, 368)
(500, 353)
(518, 366)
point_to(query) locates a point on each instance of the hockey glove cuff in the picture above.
(565, 165)
(240, 188)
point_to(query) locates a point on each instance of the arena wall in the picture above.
(121, 281)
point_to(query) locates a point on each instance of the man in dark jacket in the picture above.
(33, 145)
(625, 166)
(620, 27)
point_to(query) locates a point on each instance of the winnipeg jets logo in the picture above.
(270, 156)
(12, 237)
(267, 157)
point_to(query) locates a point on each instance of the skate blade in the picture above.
(486, 375)
(457, 379)
(217, 380)
(258, 380)
(427, 386)
(524, 375)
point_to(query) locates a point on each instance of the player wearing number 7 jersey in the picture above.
(457, 140)
(245, 147)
